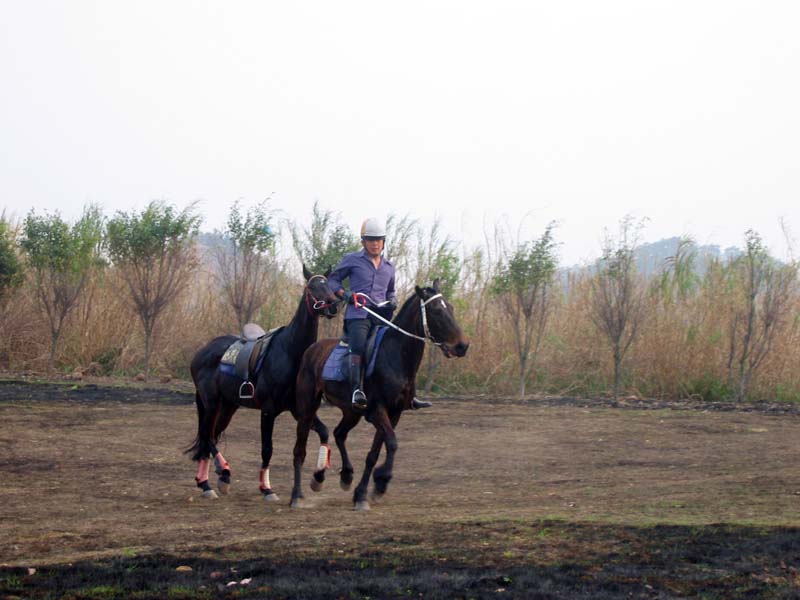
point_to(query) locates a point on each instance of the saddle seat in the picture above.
(252, 331)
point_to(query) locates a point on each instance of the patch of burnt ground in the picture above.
(757, 406)
(573, 560)
(12, 391)
(88, 393)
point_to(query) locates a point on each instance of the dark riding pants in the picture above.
(357, 332)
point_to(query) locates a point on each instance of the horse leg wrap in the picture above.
(221, 463)
(263, 480)
(324, 457)
(202, 472)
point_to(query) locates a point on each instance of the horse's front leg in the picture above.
(383, 474)
(267, 425)
(349, 420)
(360, 495)
(324, 455)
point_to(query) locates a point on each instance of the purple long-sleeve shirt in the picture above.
(364, 278)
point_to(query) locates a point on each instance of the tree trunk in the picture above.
(617, 371)
(51, 363)
(148, 336)
(523, 362)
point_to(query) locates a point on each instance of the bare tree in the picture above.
(247, 265)
(616, 305)
(154, 253)
(523, 284)
(60, 259)
(762, 300)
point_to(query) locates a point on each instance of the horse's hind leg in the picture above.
(207, 411)
(222, 466)
(324, 455)
(267, 425)
(349, 420)
(383, 474)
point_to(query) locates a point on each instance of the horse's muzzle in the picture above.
(459, 349)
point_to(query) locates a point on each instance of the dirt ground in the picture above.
(550, 498)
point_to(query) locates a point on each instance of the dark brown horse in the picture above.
(218, 395)
(426, 315)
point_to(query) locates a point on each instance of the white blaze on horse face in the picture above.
(264, 479)
(324, 457)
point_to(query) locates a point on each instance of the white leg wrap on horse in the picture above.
(220, 461)
(264, 476)
(324, 457)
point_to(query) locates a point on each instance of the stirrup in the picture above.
(359, 399)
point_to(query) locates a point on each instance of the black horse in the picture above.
(426, 315)
(218, 395)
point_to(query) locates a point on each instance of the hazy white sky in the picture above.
(687, 113)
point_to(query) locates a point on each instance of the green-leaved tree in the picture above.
(762, 294)
(523, 284)
(246, 260)
(11, 273)
(324, 242)
(154, 252)
(60, 258)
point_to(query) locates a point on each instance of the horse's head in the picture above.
(439, 321)
(319, 297)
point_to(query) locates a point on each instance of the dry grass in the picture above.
(682, 349)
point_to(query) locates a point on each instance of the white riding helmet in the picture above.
(373, 228)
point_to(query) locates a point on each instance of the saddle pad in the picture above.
(336, 367)
(243, 358)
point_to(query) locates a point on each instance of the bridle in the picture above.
(428, 337)
(318, 304)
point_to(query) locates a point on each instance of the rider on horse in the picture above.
(372, 274)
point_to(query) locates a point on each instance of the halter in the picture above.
(422, 305)
(318, 304)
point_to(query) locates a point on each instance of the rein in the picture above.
(422, 304)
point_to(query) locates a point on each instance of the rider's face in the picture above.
(373, 246)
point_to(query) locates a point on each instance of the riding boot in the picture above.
(416, 404)
(359, 398)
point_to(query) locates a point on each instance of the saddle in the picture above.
(336, 365)
(244, 358)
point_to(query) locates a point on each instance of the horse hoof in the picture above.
(223, 487)
(271, 497)
(296, 503)
(375, 496)
(210, 495)
(361, 506)
(316, 485)
(345, 485)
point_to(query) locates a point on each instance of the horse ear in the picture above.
(306, 273)
(329, 271)
(418, 291)
(436, 285)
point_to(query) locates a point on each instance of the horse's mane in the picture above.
(408, 305)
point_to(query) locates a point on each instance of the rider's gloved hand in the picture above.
(392, 304)
(349, 297)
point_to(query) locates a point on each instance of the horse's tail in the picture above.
(194, 447)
